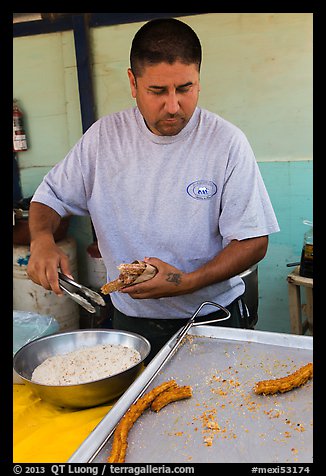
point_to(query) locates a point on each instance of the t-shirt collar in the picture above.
(167, 139)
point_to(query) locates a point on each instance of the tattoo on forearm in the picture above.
(174, 278)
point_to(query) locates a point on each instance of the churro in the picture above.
(169, 391)
(130, 273)
(120, 443)
(285, 384)
(171, 395)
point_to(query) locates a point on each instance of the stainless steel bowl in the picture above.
(86, 394)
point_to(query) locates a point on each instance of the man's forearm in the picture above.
(43, 220)
(231, 261)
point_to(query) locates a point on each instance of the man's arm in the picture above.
(235, 258)
(46, 257)
(231, 261)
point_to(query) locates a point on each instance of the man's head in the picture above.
(164, 40)
(165, 61)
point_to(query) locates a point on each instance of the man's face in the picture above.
(166, 95)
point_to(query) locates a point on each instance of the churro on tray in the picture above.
(120, 439)
(172, 394)
(285, 384)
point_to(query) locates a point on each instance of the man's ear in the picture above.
(132, 81)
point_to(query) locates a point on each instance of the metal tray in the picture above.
(225, 421)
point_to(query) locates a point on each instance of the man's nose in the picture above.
(172, 103)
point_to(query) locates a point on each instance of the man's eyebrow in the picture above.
(153, 86)
(189, 83)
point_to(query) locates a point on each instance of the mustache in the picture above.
(172, 116)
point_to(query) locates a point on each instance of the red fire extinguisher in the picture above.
(19, 136)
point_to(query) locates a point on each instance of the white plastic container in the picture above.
(96, 270)
(28, 296)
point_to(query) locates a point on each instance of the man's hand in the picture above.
(46, 257)
(169, 281)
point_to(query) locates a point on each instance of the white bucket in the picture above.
(96, 272)
(28, 296)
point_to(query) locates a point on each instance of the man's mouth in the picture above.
(172, 120)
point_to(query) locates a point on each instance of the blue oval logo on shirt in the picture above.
(202, 189)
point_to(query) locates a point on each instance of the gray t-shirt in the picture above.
(179, 198)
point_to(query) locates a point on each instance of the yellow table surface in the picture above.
(45, 433)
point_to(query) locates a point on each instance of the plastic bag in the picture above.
(28, 326)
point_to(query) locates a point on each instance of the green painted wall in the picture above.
(256, 72)
(290, 188)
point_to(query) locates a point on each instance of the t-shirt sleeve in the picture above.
(64, 187)
(246, 209)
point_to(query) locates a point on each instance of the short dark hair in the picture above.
(164, 40)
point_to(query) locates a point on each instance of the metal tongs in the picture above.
(88, 293)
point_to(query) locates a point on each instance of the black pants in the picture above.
(159, 331)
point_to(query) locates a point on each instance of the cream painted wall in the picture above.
(256, 72)
(45, 83)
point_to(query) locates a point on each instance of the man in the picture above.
(165, 179)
